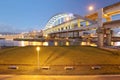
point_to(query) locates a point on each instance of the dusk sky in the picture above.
(27, 15)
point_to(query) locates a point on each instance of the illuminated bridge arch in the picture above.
(58, 19)
(66, 21)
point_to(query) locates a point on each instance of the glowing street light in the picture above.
(67, 19)
(90, 8)
(38, 50)
(46, 35)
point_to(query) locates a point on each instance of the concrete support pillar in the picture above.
(100, 40)
(100, 17)
(100, 33)
(108, 37)
(73, 34)
(77, 33)
(100, 30)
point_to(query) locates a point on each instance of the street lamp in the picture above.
(46, 35)
(38, 50)
(90, 8)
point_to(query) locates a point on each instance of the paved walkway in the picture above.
(58, 77)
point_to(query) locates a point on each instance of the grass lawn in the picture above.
(76, 55)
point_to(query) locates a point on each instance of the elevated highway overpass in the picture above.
(68, 25)
(112, 24)
(106, 12)
(106, 25)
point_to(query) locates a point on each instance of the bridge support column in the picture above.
(78, 23)
(100, 33)
(108, 37)
(100, 30)
(100, 40)
(87, 23)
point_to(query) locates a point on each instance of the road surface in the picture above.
(59, 77)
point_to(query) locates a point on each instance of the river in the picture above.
(35, 43)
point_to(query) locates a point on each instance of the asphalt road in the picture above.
(58, 77)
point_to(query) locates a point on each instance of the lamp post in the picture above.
(38, 59)
(91, 8)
